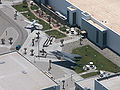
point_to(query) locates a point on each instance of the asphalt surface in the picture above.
(8, 22)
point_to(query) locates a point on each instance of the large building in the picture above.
(16, 73)
(111, 82)
(99, 18)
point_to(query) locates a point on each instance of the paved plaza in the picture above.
(63, 73)
(60, 69)
(11, 28)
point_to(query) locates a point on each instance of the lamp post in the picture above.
(34, 58)
(71, 76)
(63, 81)
(80, 40)
(0, 2)
(50, 61)
(38, 43)
(38, 33)
(33, 42)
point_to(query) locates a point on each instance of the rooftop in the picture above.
(89, 83)
(16, 73)
(96, 25)
(106, 11)
(112, 83)
(72, 8)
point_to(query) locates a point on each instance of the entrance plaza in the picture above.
(34, 66)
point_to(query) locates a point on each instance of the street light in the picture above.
(38, 33)
(34, 58)
(71, 76)
(50, 61)
(0, 2)
(38, 43)
(63, 81)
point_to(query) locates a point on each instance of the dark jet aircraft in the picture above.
(66, 56)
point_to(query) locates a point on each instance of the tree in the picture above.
(24, 3)
(31, 52)
(63, 81)
(43, 51)
(78, 32)
(33, 42)
(49, 19)
(10, 39)
(62, 40)
(3, 41)
(38, 33)
(81, 40)
(15, 16)
(25, 49)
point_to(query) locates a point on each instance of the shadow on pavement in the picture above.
(65, 64)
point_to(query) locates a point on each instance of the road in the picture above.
(8, 22)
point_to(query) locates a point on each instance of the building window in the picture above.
(74, 18)
(97, 37)
(104, 38)
(46, 2)
(67, 16)
(39, 3)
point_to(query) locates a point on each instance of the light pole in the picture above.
(63, 81)
(0, 2)
(71, 76)
(50, 61)
(34, 58)
(80, 40)
(38, 48)
(38, 33)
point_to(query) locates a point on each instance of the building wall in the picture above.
(92, 33)
(77, 87)
(60, 6)
(99, 86)
(53, 88)
(113, 41)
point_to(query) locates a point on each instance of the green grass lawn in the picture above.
(46, 26)
(56, 33)
(34, 7)
(90, 54)
(63, 29)
(29, 15)
(90, 74)
(21, 7)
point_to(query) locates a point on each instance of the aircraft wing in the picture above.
(57, 54)
(28, 21)
(36, 24)
(68, 59)
(39, 25)
(71, 56)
